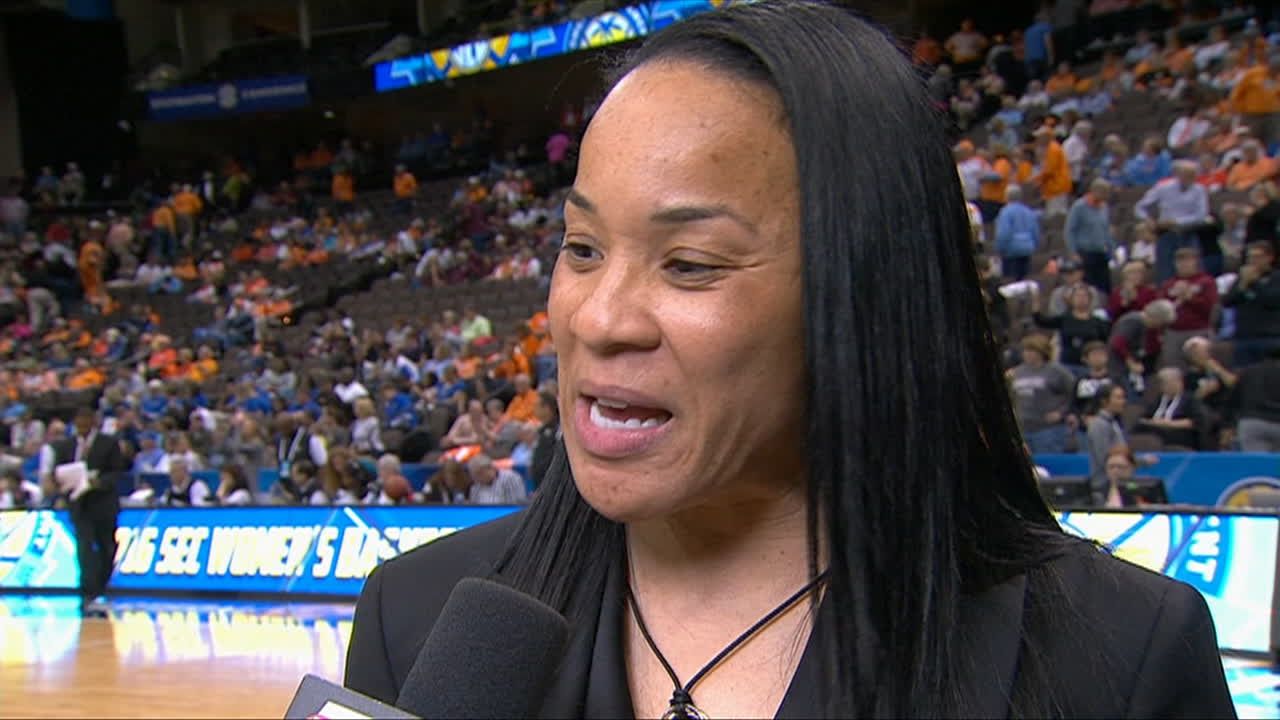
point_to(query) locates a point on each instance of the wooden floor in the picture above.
(164, 659)
(154, 659)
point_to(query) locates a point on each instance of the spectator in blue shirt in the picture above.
(1038, 42)
(1088, 234)
(1150, 166)
(1017, 235)
(400, 410)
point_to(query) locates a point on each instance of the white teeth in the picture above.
(615, 404)
(599, 420)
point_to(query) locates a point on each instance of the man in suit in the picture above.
(93, 509)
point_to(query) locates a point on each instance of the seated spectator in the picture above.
(523, 404)
(1255, 406)
(1137, 338)
(1062, 83)
(17, 493)
(1112, 166)
(1187, 131)
(1134, 293)
(233, 486)
(1097, 375)
(1176, 416)
(1255, 298)
(1151, 165)
(1253, 167)
(1042, 396)
(1264, 220)
(491, 486)
(1194, 295)
(184, 490)
(450, 485)
(1076, 148)
(1210, 380)
(1072, 274)
(366, 435)
(1212, 177)
(394, 487)
(298, 485)
(526, 439)
(150, 457)
(1076, 328)
(1120, 468)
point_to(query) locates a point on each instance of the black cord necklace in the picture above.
(682, 707)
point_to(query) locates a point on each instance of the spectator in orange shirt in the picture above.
(164, 231)
(1062, 83)
(90, 264)
(523, 407)
(188, 205)
(405, 186)
(927, 52)
(1177, 57)
(1253, 168)
(514, 361)
(85, 376)
(1257, 98)
(1212, 176)
(1054, 178)
(344, 191)
(206, 362)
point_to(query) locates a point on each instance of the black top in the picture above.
(1257, 308)
(1137, 645)
(1257, 393)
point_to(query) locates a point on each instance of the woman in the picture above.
(1134, 293)
(449, 486)
(1076, 328)
(1120, 468)
(233, 486)
(757, 277)
(366, 433)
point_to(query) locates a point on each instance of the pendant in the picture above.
(682, 711)
(682, 708)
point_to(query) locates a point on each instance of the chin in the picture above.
(624, 495)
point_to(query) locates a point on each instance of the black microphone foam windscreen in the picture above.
(491, 654)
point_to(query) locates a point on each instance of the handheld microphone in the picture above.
(491, 654)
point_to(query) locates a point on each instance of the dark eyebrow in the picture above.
(681, 214)
(675, 215)
(580, 200)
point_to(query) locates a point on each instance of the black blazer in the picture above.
(105, 456)
(1140, 644)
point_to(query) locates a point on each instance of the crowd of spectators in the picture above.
(1160, 331)
(337, 415)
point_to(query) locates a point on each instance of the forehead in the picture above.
(672, 128)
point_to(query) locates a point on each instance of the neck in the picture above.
(758, 547)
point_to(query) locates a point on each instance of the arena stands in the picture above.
(1179, 236)
(223, 316)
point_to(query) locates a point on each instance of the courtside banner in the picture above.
(242, 96)
(284, 550)
(1229, 557)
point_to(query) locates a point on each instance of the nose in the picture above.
(614, 312)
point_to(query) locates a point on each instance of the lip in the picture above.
(615, 392)
(615, 443)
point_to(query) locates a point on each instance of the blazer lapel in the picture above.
(988, 637)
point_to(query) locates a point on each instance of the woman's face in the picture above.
(676, 304)
(1119, 469)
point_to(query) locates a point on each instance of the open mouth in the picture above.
(611, 414)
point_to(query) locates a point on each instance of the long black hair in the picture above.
(919, 482)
